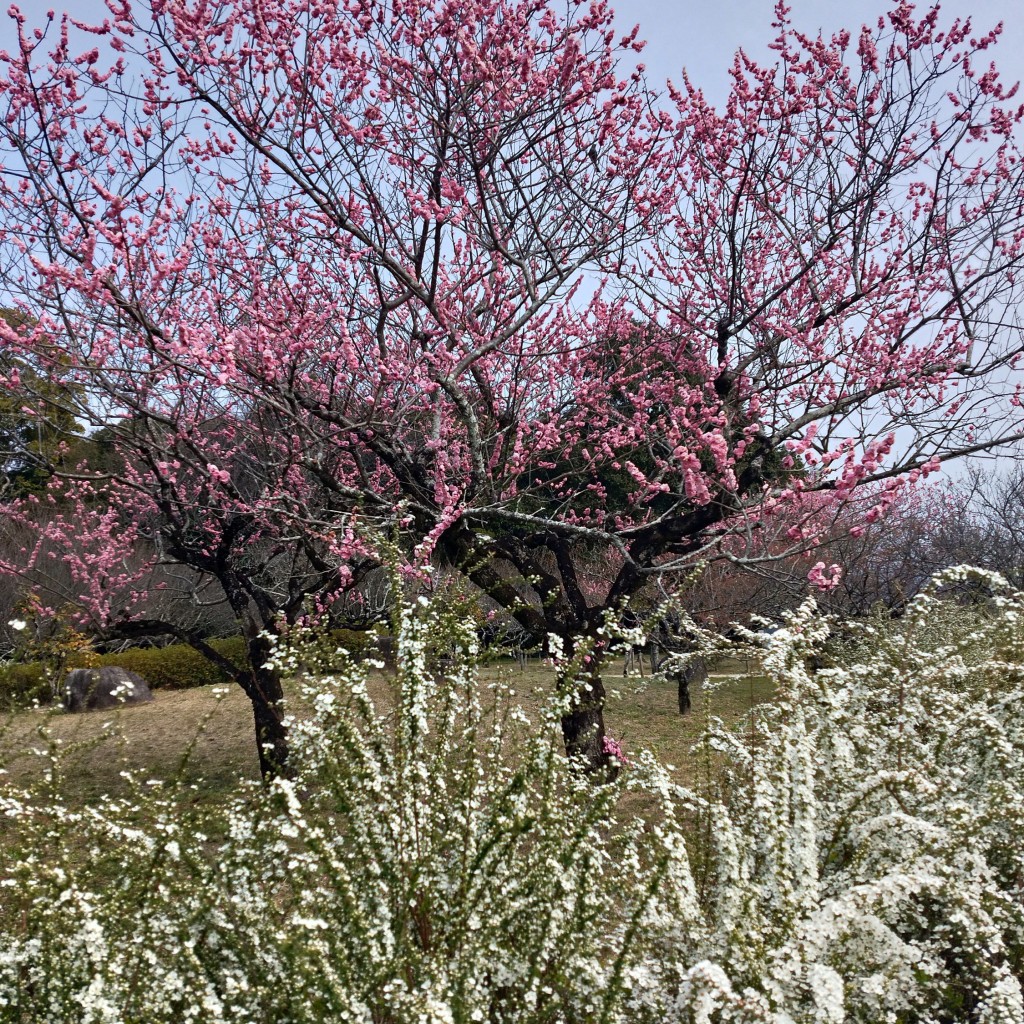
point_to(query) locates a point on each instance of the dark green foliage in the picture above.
(362, 642)
(624, 367)
(175, 667)
(37, 419)
(22, 686)
(178, 666)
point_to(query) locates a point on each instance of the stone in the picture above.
(95, 689)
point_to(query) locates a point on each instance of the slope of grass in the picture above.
(203, 737)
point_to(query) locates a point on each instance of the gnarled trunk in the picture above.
(263, 688)
(583, 724)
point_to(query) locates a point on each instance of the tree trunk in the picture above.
(695, 671)
(271, 735)
(583, 725)
(685, 701)
(263, 688)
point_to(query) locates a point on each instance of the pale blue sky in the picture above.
(702, 35)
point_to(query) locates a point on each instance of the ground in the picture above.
(206, 734)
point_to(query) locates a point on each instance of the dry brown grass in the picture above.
(150, 740)
(643, 713)
(206, 740)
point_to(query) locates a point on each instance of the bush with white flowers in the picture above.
(862, 856)
(851, 853)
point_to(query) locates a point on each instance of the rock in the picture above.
(94, 689)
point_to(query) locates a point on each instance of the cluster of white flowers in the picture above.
(862, 859)
(853, 855)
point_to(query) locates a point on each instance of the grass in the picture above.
(204, 737)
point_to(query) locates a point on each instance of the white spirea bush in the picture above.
(433, 859)
(851, 853)
(863, 857)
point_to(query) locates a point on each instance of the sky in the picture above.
(703, 35)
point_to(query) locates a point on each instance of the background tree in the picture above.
(36, 419)
(887, 558)
(982, 523)
(357, 271)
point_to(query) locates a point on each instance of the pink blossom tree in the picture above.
(453, 274)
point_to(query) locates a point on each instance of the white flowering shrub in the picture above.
(432, 859)
(862, 852)
(850, 853)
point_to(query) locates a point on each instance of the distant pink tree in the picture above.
(453, 273)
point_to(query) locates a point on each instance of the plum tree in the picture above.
(455, 275)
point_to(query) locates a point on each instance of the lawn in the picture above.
(204, 736)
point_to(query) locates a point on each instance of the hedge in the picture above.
(178, 666)
(175, 667)
(22, 686)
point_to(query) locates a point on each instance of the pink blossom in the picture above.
(817, 576)
(612, 748)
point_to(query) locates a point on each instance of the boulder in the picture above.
(94, 689)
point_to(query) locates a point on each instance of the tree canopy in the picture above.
(456, 275)
(37, 419)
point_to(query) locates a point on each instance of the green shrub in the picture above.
(175, 667)
(178, 666)
(357, 641)
(22, 685)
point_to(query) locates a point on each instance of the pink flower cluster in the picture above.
(612, 748)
